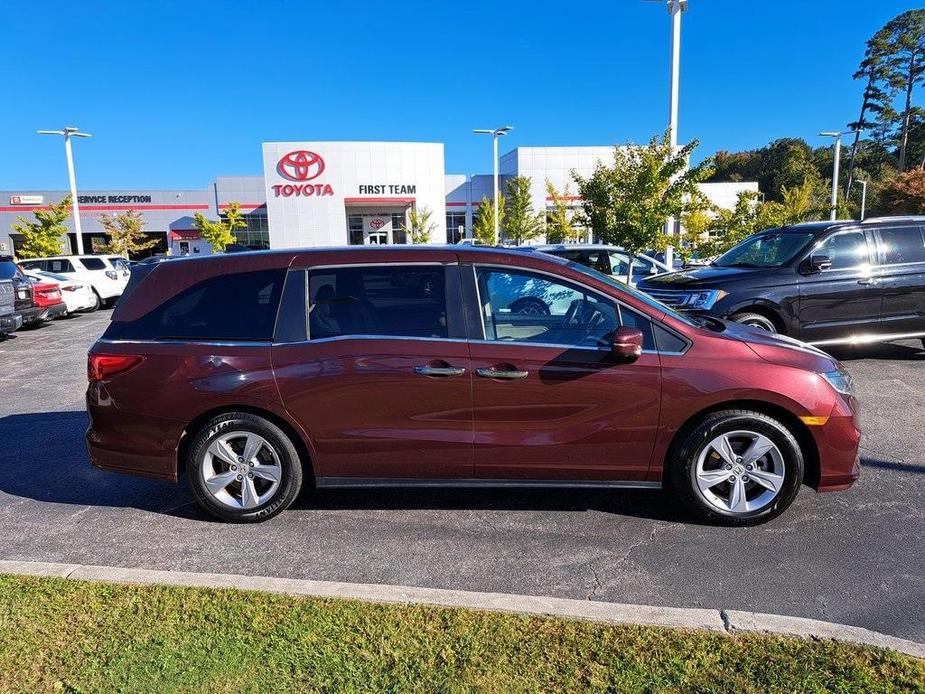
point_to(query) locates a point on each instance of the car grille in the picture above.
(669, 297)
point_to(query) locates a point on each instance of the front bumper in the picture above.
(838, 442)
(10, 323)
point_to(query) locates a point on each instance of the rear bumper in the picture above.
(10, 323)
(54, 311)
(838, 442)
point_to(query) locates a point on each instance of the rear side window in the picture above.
(903, 245)
(388, 300)
(240, 306)
(91, 264)
(62, 265)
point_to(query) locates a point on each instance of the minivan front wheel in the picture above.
(738, 467)
(243, 468)
(755, 320)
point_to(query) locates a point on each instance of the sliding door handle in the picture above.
(511, 375)
(439, 370)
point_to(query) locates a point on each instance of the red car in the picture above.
(47, 296)
(253, 372)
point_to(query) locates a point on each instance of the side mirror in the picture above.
(627, 343)
(817, 263)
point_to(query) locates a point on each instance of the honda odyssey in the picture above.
(254, 373)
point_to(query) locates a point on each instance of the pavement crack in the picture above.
(597, 581)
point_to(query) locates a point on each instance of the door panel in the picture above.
(902, 279)
(550, 401)
(845, 299)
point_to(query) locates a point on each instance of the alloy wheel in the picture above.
(241, 470)
(740, 472)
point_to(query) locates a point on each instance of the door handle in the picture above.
(510, 375)
(439, 370)
(871, 281)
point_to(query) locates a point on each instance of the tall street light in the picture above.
(833, 213)
(68, 133)
(675, 8)
(495, 134)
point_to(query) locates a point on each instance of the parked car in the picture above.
(24, 303)
(821, 282)
(609, 260)
(107, 280)
(253, 372)
(49, 300)
(77, 296)
(10, 321)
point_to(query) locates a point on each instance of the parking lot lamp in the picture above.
(833, 212)
(68, 133)
(863, 197)
(495, 134)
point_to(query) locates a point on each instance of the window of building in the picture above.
(399, 301)
(399, 235)
(522, 306)
(355, 229)
(454, 222)
(903, 245)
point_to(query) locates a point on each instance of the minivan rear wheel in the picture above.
(243, 468)
(737, 467)
(755, 320)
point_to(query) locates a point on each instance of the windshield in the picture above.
(635, 293)
(767, 249)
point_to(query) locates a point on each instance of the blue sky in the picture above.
(176, 93)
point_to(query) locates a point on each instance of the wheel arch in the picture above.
(291, 430)
(769, 311)
(811, 465)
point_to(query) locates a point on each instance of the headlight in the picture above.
(840, 381)
(703, 300)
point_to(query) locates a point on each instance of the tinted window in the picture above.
(845, 250)
(904, 245)
(667, 341)
(768, 249)
(240, 306)
(91, 264)
(399, 301)
(118, 263)
(59, 266)
(519, 306)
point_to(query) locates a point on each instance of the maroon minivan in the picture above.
(450, 366)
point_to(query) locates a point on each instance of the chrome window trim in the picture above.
(343, 338)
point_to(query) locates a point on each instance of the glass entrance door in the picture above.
(376, 229)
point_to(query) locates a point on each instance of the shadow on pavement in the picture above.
(897, 465)
(49, 454)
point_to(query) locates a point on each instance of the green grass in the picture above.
(69, 636)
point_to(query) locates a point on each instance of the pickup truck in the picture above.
(10, 321)
(24, 297)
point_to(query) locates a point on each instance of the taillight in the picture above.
(112, 274)
(103, 366)
(71, 288)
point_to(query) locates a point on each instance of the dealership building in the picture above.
(328, 193)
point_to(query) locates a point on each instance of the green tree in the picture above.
(626, 204)
(874, 69)
(695, 224)
(126, 233)
(419, 226)
(483, 226)
(732, 226)
(220, 234)
(521, 223)
(43, 236)
(559, 226)
(905, 45)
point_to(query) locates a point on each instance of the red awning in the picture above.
(184, 234)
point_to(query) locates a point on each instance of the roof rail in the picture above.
(896, 218)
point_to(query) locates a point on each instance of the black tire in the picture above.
(755, 320)
(529, 306)
(682, 465)
(290, 474)
(97, 305)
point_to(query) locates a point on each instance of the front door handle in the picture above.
(439, 370)
(868, 281)
(512, 374)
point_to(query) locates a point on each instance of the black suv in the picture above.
(820, 282)
(24, 303)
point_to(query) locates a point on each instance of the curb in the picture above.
(719, 621)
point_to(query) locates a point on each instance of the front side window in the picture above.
(521, 306)
(903, 245)
(387, 301)
(846, 250)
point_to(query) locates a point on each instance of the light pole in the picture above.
(833, 213)
(863, 197)
(68, 133)
(495, 134)
(675, 8)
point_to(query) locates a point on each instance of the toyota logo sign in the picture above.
(300, 165)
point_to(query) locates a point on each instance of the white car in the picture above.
(610, 260)
(106, 275)
(77, 296)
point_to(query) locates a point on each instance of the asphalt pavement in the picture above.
(856, 557)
